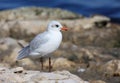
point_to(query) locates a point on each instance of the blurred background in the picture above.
(108, 8)
(90, 49)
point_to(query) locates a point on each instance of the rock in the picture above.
(18, 70)
(8, 50)
(9, 76)
(99, 18)
(84, 31)
(96, 37)
(86, 54)
(85, 47)
(101, 21)
(22, 43)
(8, 41)
(28, 64)
(35, 13)
(3, 68)
(4, 29)
(27, 29)
(112, 68)
(25, 23)
(7, 44)
(60, 64)
(97, 81)
(11, 57)
(4, 65)
(97, 21)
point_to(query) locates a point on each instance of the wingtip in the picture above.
(18, 58)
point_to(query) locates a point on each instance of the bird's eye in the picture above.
(57, 25)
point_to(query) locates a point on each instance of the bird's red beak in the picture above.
(64, 29)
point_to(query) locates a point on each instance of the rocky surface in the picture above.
(19, 75)
(92, 36)
(112, 68)
(33, 13)
(90, 49)
(97, 81)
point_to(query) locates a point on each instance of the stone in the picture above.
(28, 76)
(3, 68)
(97, 81)
(8, 41)
(28, 64)
(101, 21)
(60, 64)
(18, 70)
(8, 50)
(4, 29)
(27, 29)
(84, 32)
(95, 21)
(85, 47)
(37, 13)
(13, 55)
(112, 68)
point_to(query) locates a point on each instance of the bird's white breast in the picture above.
(53, 43)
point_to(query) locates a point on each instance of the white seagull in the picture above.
(44, 43)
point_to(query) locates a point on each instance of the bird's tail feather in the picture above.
(23, 53)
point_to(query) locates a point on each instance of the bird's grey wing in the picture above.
(23, 53)
(38, 41)
(34, 44)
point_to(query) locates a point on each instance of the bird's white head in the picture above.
(56, 26)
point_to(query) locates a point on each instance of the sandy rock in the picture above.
(9, 56)
(8, 50)
(61, 64)
(97, 21)
(3, 68)
(93, 35)
(112, 68)
(35, 13)
(4, 65)
(28, 64)
(9, 76)
(7, 44)
(82, 47)
(86, 31)
(4, 29)
(96, 37)
(27, 29)
(99, 18)
(8, 41)
(86, 54)
(22, 43)
(97, 81)
(18, 70)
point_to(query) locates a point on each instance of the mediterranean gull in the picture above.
(44, 43)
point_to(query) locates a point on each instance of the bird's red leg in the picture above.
(50, 66)
(41, 60)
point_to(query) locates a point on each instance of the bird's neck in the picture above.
(55, 33)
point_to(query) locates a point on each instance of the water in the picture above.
(110, 8)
